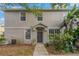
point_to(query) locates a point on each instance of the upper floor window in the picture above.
(40, 18)
(23, 16)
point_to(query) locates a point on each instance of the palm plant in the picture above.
(70, 16)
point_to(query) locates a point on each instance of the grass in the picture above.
(16, 50)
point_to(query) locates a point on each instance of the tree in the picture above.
(35, 10)
(59, 5)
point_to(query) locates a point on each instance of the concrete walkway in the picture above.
(40, 50)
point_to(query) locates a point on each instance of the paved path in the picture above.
(40, 50)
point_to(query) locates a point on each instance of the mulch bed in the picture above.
(52, 51)
(16, 50)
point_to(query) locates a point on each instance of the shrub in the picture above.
(57, 42)
(76, 33)
(46, 44)
(76, 36)
(63, 42)
(2, 38)
(34, 42)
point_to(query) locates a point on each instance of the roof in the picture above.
(16, 10)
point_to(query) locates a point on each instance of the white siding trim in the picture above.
(17, 27)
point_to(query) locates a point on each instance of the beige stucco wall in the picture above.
(14, 33)
(12, 19)
(15, 28)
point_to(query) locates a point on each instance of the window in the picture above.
(23, 16)
(53, 31)
(40, 18)
(57, 30)
(28, 34)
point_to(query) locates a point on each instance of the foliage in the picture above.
(76, 33)
(57, 42)
(2, 38)
(71, 14)
(46, 44)
(34, 42)
(63, 42)
(59, 5)
(51, 36)
(35, 10)
(70, 34)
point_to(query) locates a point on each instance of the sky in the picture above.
(43, 5)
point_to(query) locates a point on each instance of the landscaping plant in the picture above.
(2, 38)
(63, 42)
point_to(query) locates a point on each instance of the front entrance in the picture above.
(40, 34)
